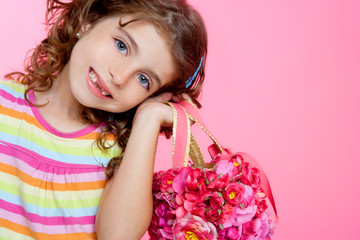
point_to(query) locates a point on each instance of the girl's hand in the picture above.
(155, 108)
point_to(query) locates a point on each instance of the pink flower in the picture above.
(240, 216)
(219, 184)
(222, 234)
(166, 197)
(248, 195)
(264, 229)
(225, 215)
(156, 182)
(262, 206)
(213, 215)
(234, 193)
(216, 200)
(193, 198)
(250, 176)
(257, 229)
(180, 212)
(234, 233)
(238, 158)
(210, 176)
(179, 180)
(194, 227)
(245, 173)
(199, 211)
(167, 180)
(254, 178)
(226, 167)
(194, 179)
(164, 213)
(162, 222)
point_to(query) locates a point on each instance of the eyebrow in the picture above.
(131, 39)
(154, 76)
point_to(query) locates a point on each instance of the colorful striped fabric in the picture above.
(50, 182)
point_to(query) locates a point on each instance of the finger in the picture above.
(186, 97)
(163, 97)
(176, 98)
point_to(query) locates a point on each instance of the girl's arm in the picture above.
(126, 205)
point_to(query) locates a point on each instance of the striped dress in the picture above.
(50, 182)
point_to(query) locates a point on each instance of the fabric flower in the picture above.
(226, 167)
(167, 181)
(194, 179)
(200, 203)
(234, 233)
(199, 211)
(219, 184)
(194, 227)
(254, 177)
(248, 196)
(156, 181)
(234, 193)
(166, 197)
(210, 176)
(216, 200)
(213, 215)
(179, 180)
(257, 229)
(225, 215)
(262, 206)
(162, 222)
(240, 216)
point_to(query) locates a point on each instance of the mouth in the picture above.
(99, 84)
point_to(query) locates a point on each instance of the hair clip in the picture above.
(191, 79)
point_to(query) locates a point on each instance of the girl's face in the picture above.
(114, 68)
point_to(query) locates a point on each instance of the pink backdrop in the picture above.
(283, 83)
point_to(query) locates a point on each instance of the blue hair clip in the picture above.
(191, 79)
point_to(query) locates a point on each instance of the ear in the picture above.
(84, 28)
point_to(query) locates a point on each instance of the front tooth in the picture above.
(93, 78)
(103, 93)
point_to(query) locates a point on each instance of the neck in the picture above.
(62, 110)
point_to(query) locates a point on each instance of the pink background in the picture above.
(283, 83)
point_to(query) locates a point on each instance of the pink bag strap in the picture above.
(193, 113)
(181, 136)
(214, 150)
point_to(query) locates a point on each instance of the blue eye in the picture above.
(121, 46)
(144, 81)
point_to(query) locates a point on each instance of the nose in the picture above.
(120, 75)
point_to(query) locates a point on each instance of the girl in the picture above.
(105, 67)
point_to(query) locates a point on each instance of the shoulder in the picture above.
(13, 88)
(11, 93)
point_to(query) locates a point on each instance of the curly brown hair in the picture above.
(180, 23)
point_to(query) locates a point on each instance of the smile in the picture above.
(99, 84)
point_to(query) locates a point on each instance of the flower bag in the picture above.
(227, 198)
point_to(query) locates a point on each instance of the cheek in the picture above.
(129, 98)
(91, 49)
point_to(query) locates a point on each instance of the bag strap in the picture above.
(184, 143)
(193, 114)
(216, 149)
(181, 136)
